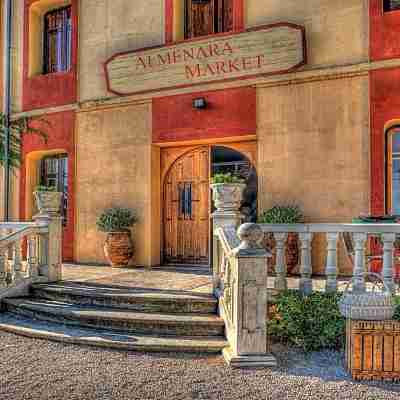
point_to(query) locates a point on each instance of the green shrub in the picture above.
(44, 188)
(397, 312)
(282, 215)
(226, 178)
(310, 322)
(116, 220)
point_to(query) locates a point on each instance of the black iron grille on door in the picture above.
(185, 200)
(57, 40)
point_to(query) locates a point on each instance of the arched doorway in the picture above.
(187, 201)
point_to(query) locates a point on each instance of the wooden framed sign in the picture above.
(266, 50)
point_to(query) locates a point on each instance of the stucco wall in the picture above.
(314, 149)
(337, 31)
(110, 26)
(114, 157)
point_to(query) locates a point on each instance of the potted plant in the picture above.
(283, 215)
(227, 191)
(48, 200)
(118, 247)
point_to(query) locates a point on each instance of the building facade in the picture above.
(320, 132)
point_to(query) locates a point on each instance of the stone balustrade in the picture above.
(30, 252)
(240, 274)
(358, 233)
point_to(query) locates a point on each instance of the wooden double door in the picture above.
(187, 209)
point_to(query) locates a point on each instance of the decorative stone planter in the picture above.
(118, 249)
(48, 202)
(228, 196)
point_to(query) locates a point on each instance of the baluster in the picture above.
(359, 262)
(17, 260)
(387, 271)
(3, 266)
(280, 267)
(32, 256)
(331, 262)
(306, 265)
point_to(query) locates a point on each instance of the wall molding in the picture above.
(299, 77)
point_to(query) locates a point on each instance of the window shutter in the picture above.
(200, 17)
(227, 16)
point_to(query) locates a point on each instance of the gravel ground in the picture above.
(35, 369)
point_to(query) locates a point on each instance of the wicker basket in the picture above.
(368, 306)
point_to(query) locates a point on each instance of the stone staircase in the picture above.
(115, 317)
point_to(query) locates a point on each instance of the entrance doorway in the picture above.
(187, 201)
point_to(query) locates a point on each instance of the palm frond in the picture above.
(18, 128)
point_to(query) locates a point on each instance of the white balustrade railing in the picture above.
(358, 233)
(29, 252)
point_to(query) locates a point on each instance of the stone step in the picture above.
(86, 336)
(146, 300)
(117, 319)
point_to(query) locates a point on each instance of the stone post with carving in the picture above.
(227, 198)
(248, 334)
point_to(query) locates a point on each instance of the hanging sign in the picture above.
(266, 50)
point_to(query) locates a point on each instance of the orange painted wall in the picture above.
(230, 112)
(60, 128)
(384, 32)
(55, 89)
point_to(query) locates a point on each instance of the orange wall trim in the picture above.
(229, 113)
(54, 89)
(61, 136)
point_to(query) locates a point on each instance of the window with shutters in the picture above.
(391, 5)
(57, 41)
(206, 17)
(54, 173)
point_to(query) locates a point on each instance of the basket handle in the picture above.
(371, 274)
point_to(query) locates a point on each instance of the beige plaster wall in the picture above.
(110, 26)
(337, 30)
(314, 150)
(114, 157)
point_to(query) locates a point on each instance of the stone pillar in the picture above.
(387, 270)
(50, 245)
(359, 262)
(331, 262)
(280, 266)
(248, 334)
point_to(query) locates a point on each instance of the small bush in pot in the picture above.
(48, 200)
(118, 247)
(290, 214)
(227, 178)
(227, 192)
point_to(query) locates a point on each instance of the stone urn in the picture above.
(227, 196)
(48, 202)
(118, 248)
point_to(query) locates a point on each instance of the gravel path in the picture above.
(35, 369)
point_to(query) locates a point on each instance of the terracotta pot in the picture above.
(291, 255)
(228, 196)
(48, 202)
(118, 249)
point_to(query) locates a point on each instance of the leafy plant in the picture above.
(227, 178)
(311, 322)
(18, 128)
(116, 220)
(43, 188)
(282, 215)
(397, 312)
